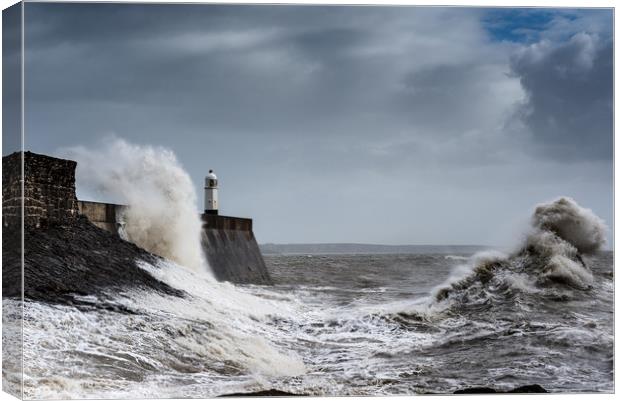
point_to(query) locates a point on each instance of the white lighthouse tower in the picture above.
(211, 204)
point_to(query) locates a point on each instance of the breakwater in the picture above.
(232, 251)
(50, 199)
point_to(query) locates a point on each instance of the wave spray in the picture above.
(162, 214)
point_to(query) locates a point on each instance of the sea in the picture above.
(333, 325)
(348, 323)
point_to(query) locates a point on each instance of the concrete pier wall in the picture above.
(228, 242)
(103, 215)
(232, 251)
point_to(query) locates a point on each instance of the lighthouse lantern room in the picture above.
(211, 204)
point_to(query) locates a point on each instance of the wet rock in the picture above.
(476, 390)
(265, 393)
(65, 257)
(532, 388)
(76, 258)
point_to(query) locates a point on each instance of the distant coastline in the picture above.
(349, 248)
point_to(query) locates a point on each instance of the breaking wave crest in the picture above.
(552, 256)
(574, 224)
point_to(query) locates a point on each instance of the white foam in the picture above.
(162, 214)
(571, 222)
(170, 339)
(465, 270)
(561, 231)
(563, 268)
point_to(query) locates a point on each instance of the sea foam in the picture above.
(162, 214)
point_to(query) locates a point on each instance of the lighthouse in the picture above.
(211, 205)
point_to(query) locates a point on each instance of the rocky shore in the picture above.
(530, 389)
(62, 261)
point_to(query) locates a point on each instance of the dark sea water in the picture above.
(331, 325)
(382, 338)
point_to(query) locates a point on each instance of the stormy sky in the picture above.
(392, 125)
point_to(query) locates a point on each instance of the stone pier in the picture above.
(50, 199)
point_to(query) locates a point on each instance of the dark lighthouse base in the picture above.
(232, 250)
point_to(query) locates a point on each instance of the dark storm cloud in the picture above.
(570, 95)
(239, 62)
(275, 71)
(327, 69)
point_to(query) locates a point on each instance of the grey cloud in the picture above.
(458, 91)
(417, 100)
(570, 95)
(309, 72)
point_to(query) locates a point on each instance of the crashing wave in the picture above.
(162, 213)
(552, 254)
(576, 225)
